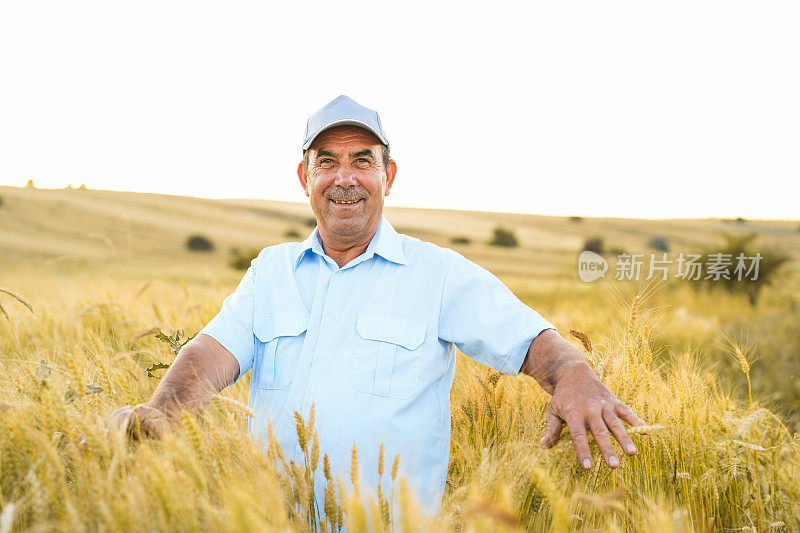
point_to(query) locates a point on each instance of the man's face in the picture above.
(346, 182)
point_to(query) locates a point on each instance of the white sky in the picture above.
(637, 109)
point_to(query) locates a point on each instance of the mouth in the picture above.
(346, 202)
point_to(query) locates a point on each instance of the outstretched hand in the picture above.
(582, 402)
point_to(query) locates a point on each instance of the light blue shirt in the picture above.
(372, 346)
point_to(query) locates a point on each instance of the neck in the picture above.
(343, 250)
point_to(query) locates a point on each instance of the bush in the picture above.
(241, 259)
(311, 222)
(769, 265)
(460, 239)
(1, 201)
(575, 219)
(291, 233)
(199, 243)
(504, 237)
(593, 244)
(659, 242)
(30, 185)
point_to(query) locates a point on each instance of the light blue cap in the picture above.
(342, 111)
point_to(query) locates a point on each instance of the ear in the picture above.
(301, 174)
(391, 171)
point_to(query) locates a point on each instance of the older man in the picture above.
(363, 323)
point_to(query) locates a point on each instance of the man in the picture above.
(362, 322)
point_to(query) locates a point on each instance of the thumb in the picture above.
(552, 431)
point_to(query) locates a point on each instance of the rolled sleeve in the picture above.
(232, 327)
(485, 320)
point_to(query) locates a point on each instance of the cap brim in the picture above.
(345, 122)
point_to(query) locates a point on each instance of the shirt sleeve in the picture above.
(484, 319)
(232, 327)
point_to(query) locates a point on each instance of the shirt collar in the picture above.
(386, 243)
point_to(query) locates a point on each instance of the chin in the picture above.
(347, 226)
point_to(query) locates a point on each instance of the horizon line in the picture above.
(464, 210)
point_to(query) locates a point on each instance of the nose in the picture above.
(345, 177)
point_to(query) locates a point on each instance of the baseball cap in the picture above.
(342, 111)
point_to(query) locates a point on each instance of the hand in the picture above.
(582, 401)
(139, 421)
(135, 421)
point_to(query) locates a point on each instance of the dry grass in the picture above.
(704, 462)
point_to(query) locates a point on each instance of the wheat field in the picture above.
(90, 278)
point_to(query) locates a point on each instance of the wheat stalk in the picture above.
(583, 338)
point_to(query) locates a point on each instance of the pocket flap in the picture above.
(385, 328)
(279, 324)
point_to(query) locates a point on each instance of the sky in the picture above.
(625, 109)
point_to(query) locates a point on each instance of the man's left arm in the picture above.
(580, 400)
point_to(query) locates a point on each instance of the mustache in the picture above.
(340, 193)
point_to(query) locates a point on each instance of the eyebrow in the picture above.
(323, 152)
(362, 153)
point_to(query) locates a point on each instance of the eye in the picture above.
(363, 162)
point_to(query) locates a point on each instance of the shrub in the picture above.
(659, 242)
(504, 237)
(199, 243)
(740, 220)
(240, 259)
(593, 244)
(769, 265)
(30, 185)
(460, 239)
(291, 233)
(575, 219)
(1, 201)
(311, 222)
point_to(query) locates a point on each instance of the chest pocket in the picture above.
(387, 357)
(280, 341)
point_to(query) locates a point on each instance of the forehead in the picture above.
(345, 137)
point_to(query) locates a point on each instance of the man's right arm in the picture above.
(202, 369)
(207, 364)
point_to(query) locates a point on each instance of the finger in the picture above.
(552, 431)
(577, 432)
(603, 439)
(121, 419)
(618, 430)
(78, 444)
(154, 427)
(627, 414)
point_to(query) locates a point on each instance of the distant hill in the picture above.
(93, 225)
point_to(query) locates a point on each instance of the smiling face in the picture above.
(346, 181)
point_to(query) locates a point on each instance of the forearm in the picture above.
(190, 382)
(550, 357)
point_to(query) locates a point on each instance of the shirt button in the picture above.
(320, 357)
(329, 314)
